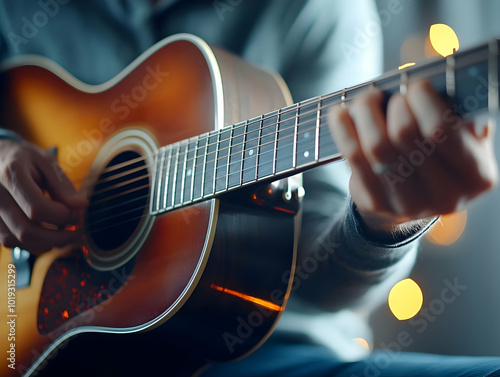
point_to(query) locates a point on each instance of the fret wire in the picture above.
(192, 169)
(450, 76)
(228, 156)
(184, 173)
(296, 127)
(202, 164)
(155, 182)
(318, 118)
(216, 159)
(403, 83)
(343, 98)
(163, 156)
(165, 205)
(275, 154)
(159, 171)
(174, 183)
(257, 148)
(243, 151)
(204, 170)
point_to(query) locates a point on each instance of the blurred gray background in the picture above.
(470, 324)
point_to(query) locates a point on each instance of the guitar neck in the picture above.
(292, 139)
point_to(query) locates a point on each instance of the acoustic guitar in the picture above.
(194, 197)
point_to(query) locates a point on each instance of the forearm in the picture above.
(339, 265)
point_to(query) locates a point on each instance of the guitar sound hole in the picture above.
(118, 201)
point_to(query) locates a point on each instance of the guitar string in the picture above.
(434, 70)
(230, 139)
(182, 162)
(217, 134)
(237, 126)
(210, 171)
(189, 162)
(259, 120)
(173, 199)
(194, 176)
(179, 204)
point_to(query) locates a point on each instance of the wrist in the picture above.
(387, 229)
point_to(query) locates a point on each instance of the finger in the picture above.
(58, 185)
(431, 188)
(36, 206)
(459, 144)
(365, 186)
(370, 124)
(7, 239)
(437, 122)
(28, 232)
(400, 185)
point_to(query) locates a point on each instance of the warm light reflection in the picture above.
(255, 300)
(443, 39)
(406, 65)
(428, 49)
(362, 342)
(448, 229)
(405, 299)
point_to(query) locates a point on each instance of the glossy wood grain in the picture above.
(176, 95)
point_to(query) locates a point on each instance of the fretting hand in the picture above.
(415, 162)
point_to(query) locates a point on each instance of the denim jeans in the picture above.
(282, 359)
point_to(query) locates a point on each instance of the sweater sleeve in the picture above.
(338, 265)
(317, 52)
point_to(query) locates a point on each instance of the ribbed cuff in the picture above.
(359, 252)
(392, 240)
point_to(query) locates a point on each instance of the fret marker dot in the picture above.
(306, 154)
(306, 135)
(188, 172)
(250, 152)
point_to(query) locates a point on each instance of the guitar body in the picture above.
(211, 278)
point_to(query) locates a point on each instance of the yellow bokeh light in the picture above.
(443, 39)
(406, 65)
(429, 50)
(405, 299)
(448, 229)
(362, 342)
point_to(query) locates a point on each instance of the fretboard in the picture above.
(292, 139)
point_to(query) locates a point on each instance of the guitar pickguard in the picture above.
(72, 287)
